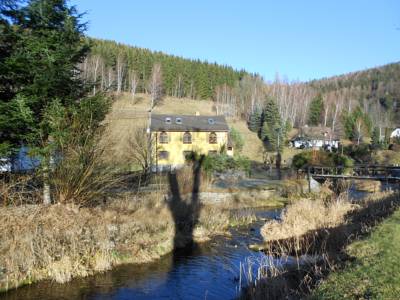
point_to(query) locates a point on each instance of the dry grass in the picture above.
(307, 214)
(297, 259)
(185, 178)
(386, 157)
(59, 242)
(253, 147)
(18, 189)
(128, 114)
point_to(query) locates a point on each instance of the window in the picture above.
(163, 154)
(178, 120)
(211, 121)
(188, 155)
(212, 152)
(187, 138)
(168, 120)
(212, 139)
(163, 138)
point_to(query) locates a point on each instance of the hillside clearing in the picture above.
(128, 114)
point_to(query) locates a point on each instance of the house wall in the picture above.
(176, 147)
(395, 133)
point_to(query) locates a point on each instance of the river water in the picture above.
(206, 271)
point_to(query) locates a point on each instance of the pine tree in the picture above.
(255, 121)
(357, 125)
(272, 129)
(375, 138)
(316, 108)
(48, 97)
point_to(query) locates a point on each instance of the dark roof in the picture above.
(188, 123)
(317, 132)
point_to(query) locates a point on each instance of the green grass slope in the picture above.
(375, 272)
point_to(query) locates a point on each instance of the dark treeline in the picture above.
(372, 89)
(118, 67)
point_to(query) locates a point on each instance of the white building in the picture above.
(395, 133)
(315, 137)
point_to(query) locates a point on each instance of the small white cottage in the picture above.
(315, 137)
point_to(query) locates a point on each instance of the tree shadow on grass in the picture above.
(185, 211)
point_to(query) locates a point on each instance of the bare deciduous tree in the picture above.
(120, 66)
(133, 81)
(138, 150)
(155, 87)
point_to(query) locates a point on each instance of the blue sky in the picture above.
(301, 39)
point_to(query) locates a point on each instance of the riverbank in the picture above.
(60, 242)
(373, 271)
(320, 249)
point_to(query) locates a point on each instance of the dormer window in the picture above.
(167, 120)
(187, 138)
(178, 120)
(211, 121)
(163, 138)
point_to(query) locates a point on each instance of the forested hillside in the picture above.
(370, 97)
(374, 89)
(119, 67)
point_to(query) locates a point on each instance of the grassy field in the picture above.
(128, 114)
(374, 274)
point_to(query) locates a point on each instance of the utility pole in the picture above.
(149, 148)
(278, 155)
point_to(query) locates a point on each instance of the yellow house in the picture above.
(175, 136)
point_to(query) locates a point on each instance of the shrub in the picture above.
(302, 159)
(223, 162)
(321, 158)
(237, 140)
(360, 152)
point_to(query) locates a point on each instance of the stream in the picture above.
(206, 271)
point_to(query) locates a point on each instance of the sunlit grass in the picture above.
(374, 274)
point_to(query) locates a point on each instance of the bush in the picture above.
(321, 158)
(237, 140)
(302, 159)
(223, 162)
(360, 152)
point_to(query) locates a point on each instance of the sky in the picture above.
(300, 40)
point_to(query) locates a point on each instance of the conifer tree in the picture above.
(272, 128)
(375, 138)
(255, 121)
(316, 108)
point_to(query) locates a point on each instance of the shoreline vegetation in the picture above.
(330, 248)
(67, 239)
(62, 241)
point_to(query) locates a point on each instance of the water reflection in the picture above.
(204, 271)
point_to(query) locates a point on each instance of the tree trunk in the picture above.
(46, 185)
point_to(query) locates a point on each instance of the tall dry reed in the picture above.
(308, 214)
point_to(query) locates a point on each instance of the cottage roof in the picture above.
(317, 132)
(187, 123)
